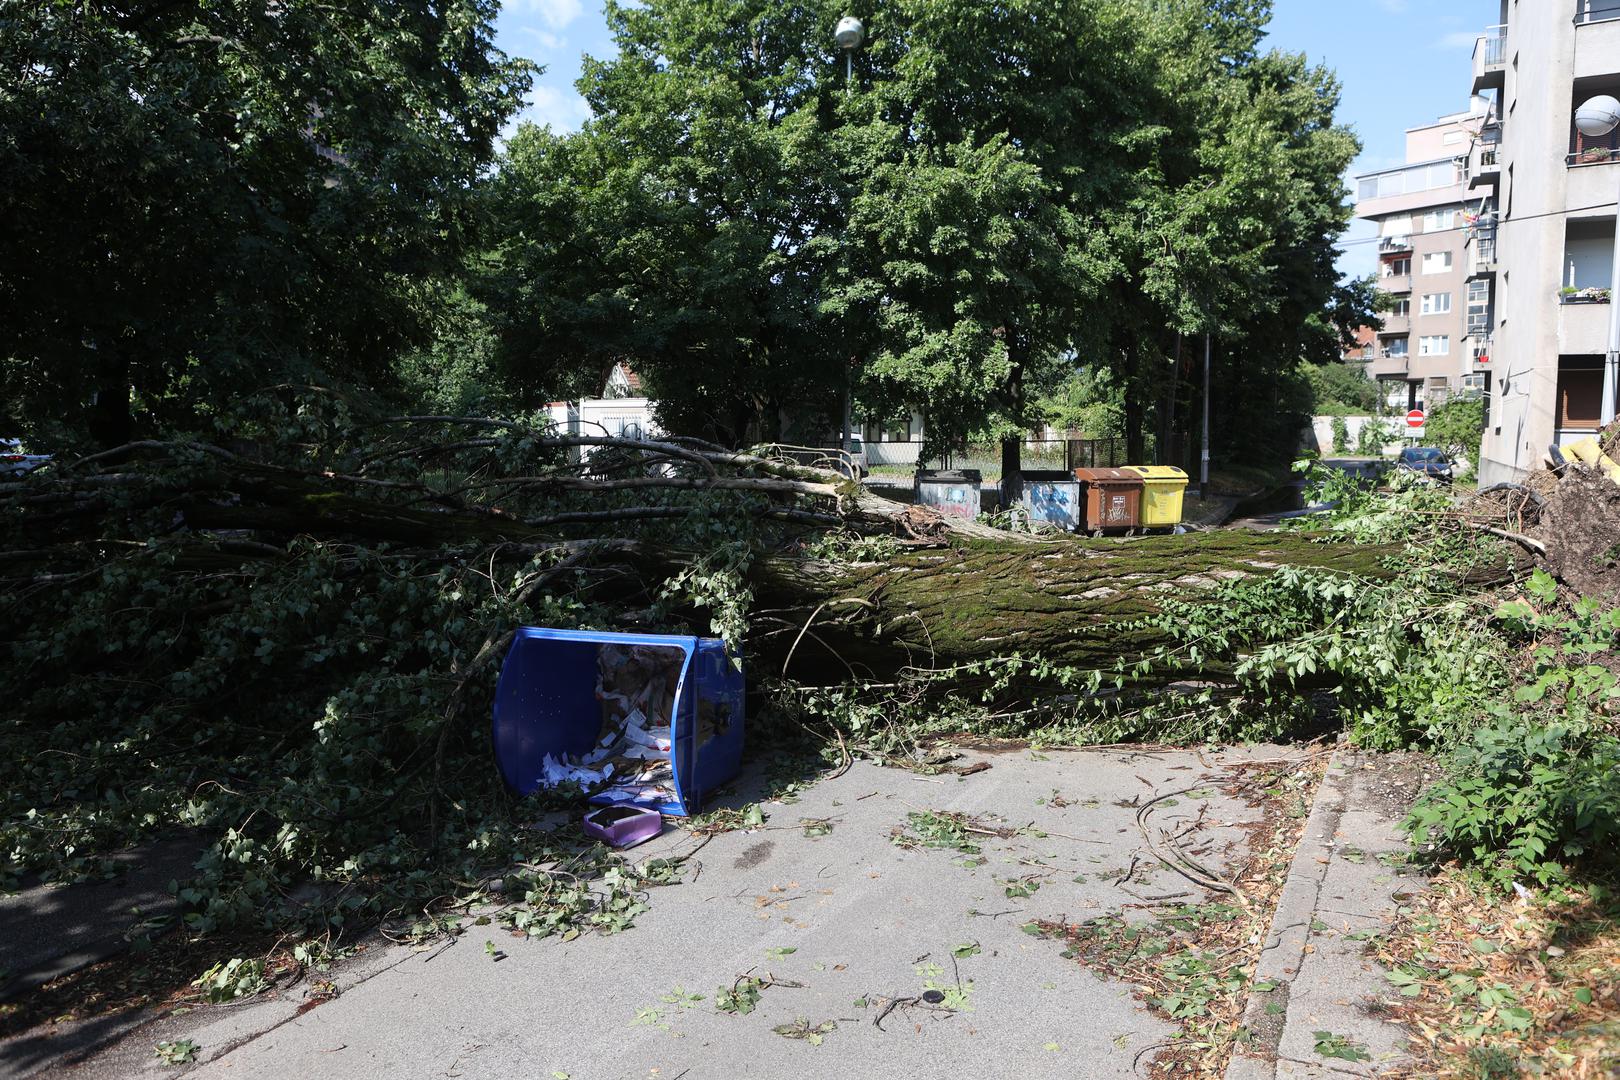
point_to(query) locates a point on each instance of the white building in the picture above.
(622, 412)
(1423, 210)
(1548, 255)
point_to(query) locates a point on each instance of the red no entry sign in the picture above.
(1415, 418)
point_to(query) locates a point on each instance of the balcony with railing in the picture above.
(1484, 157)
(1597, 39)
(1389, 245)
(1490, 59)
(1396, 283)
(1387, 362)
(1482, 253)
(1594, 150)
(1407, 188)
(1591, 11)
(1583, 323)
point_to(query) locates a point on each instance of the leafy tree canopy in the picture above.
(999, 192)
(194, 197)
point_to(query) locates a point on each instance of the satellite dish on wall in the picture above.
(1598, 116)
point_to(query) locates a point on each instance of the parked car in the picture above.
(1429, 462)
(13, 462)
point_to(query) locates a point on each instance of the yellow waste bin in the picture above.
(1162, 489)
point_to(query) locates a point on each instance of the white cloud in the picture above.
(546, 39)
(561, 110)
(559, 13)
(1458, 39)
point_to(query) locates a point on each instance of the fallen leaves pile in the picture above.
(1495, 986)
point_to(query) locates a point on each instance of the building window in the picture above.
(1580, 392)
(1437, 262)
(1398, 267)
(1439, 220)
(1402, 308)
(1437, 303)
(1434, 345)
(1397, 346)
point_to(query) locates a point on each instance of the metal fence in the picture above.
(1037, 454)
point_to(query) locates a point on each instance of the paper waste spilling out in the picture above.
(635, 686)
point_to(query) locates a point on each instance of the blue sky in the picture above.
(1402, 62)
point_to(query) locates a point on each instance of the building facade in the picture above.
(1424, 211)
(1547, 251)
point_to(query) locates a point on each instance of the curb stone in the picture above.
(1284, 950)
(1344, 885)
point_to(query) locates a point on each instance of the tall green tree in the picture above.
(678, 229)
(997, 195)
(197, 197)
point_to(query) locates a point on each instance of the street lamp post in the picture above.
(1596, 118)
(848, 35)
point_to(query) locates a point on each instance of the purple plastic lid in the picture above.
(623, 824)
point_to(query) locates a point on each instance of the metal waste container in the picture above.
(1052, 497)
(1163, 487)
(648, 719)
(1112, 502)
(953, 492)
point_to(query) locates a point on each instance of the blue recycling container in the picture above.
(546, 704)
(1052, 498)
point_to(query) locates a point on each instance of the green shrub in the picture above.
(1372, 437)
(1523, 799)
(1539, 788)
(1341, 436)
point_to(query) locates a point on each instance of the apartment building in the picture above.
(1424, 210)
(1546, 253)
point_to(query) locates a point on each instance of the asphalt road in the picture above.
(855, 918)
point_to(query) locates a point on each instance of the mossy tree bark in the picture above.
(1074, 602)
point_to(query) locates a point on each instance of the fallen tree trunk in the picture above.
(1075, 602)
(973, 594)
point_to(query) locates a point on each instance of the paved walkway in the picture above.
(855, 918)
(1347, 879)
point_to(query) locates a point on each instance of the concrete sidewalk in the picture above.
(1348, 877)
(855, 918)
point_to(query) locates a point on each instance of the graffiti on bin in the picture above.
(951, 500)
(1116, 510)
(1052, 503)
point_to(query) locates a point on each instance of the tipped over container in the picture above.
(555, 716)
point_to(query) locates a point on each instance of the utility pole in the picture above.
(1203, 465)
(1611, 362)
(849, 35)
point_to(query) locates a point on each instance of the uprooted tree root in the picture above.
(1581, 530)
